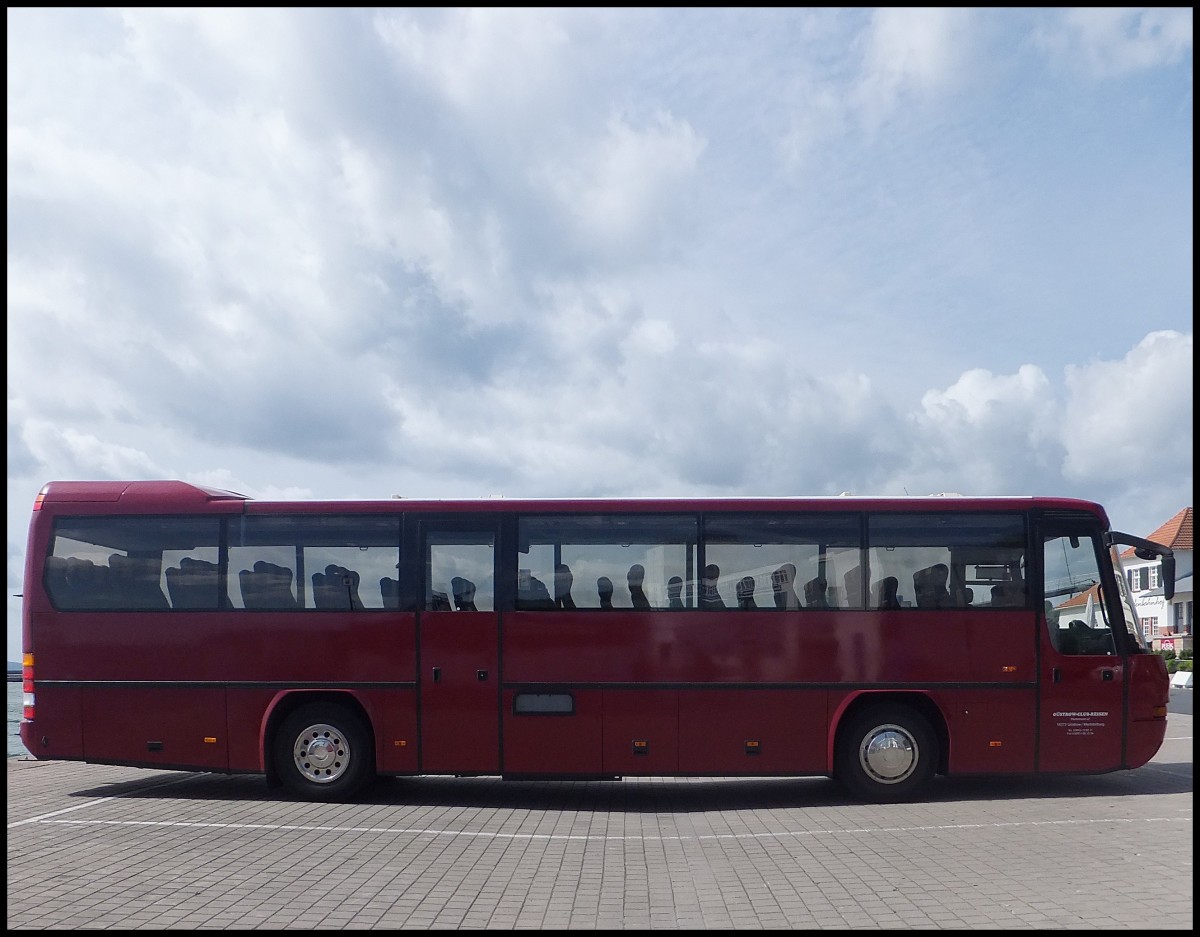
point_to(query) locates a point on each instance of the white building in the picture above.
(1167, 624)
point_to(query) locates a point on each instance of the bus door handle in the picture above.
(1106, 675)
(437, 674)
(1056, 675)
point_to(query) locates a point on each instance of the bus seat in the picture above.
(88, 584)
(604, 591)
(783, 587)
(929, 586)
(57, 584)
(675, 592)
(563, 580)
(268, 585)
(193, 583)
(1009, 593)
(533, 595)
(389, 589)
(336, 588)
(75, 583)
(853, 583)
(134, 580)
(464, 594)
(814, 593)
(886, 593)
(637, 595)
(1063, 640)
(710, 596)
(745, 593)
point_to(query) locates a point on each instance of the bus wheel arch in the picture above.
(888, 746)
(320, 746)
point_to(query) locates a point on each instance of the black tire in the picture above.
(886, 754)
(323, 751)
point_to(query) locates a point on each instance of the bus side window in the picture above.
(460, 564)
(595, 561)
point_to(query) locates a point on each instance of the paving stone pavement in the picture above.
(95, 847)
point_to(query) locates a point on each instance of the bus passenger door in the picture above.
(1082, 711)
(458, 646)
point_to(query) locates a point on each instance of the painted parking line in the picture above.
(47, 817)
(624, 837)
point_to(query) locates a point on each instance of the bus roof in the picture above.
(172, 495)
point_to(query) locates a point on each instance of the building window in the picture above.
(1154, 577)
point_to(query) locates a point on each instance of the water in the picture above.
(15, 748)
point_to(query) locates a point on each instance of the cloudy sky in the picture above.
(323, 253)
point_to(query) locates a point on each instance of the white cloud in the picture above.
(1111, 42)
(988, 434)
(483, 62)
(621, 188)
(909, 53)
(1131, 418)
(75, 453)
(330, 253)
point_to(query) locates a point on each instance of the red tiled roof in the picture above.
(1081, 600)
(1175, 533)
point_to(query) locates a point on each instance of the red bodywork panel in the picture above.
(646, 693)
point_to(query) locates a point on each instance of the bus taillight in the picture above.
(27, 685)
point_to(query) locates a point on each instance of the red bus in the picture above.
(879, 641)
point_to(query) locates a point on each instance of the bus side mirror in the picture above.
(1168, 577)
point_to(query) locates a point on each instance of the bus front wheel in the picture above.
(886, 754)
(323, 751)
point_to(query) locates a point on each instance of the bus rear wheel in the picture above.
(886, 754)
(323, 751)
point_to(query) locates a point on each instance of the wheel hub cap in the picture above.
(889, 755)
